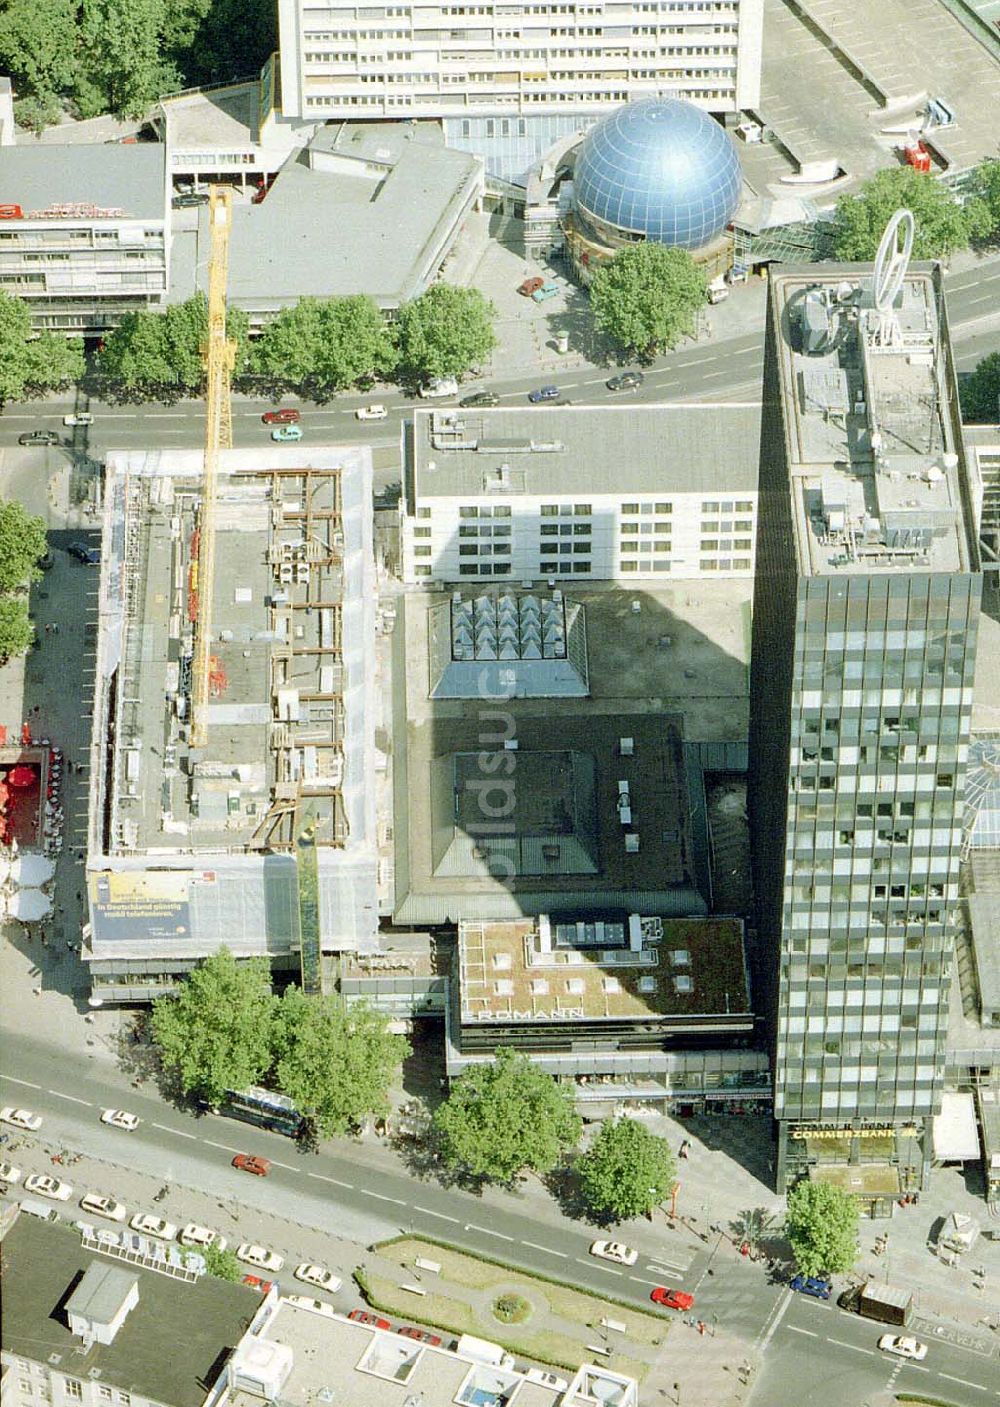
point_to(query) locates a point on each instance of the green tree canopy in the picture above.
(822, 1228)
(646, 297)
(980, 392)
(215, 1032)
(626, 1171)
(505, 1117)
(22, 542)
(121, 44)
(986, 188)
(223, 1264)
(336, 1063)
(444, 332)
(38, 45)
(324, 344)
(30, 363)
(155, 354)
(942, 225)
(16, 630)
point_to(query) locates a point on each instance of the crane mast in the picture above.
(219, 354)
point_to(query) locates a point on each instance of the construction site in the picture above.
(232, 753)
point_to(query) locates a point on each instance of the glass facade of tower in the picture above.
(880, 709)
(865, 623)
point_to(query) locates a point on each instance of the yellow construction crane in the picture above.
(219, 353)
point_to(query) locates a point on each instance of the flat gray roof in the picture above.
(876, 469)
(110, 175)
(984, 926)
(594, 449)
(326, 232)
(823, 106)
(101, 1292)
(43, 1263)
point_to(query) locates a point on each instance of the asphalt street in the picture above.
(811, 1352)
(707, 370)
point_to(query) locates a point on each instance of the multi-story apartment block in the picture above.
(865, 619)
(84, 233)
(603, 493)
(513, 61)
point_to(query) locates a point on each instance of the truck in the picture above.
(889, 1304)
(483, 1351)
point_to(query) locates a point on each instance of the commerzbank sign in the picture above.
(886, 1131)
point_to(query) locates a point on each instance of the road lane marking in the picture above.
(224, 1146)
(321, 1177)
(428, 1211)
(810, 1333)
(776, 1317)
(287, 1166)
(639, 1280)
(27, 1083)
(56, 1094)
(547, 1249)
(696, 362)
(380, 1198)
(487, 1231)
(590, 1265)
(964, 1381)
(664, 1264)
(178, 1133)
(842, 1343)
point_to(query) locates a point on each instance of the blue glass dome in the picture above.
(660, 168)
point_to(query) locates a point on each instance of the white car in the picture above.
(47, 1186)
(103, 1206)
(195, 1235)
(21, 1118)
(616, 1251)
(371, 412)
(81, 418)
(121, 1119)
(313, 1306)
(546, 1379)
(260, 1256)
(318, 1276)
(151, 1225)
(8, 1173)
(903, 1346)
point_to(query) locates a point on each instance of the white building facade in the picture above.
(600, 493)
(340, 59)
(84, 233)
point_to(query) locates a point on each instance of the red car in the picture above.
(530, 286)
(672, 1299)
(287, 416)
(247, 1162)
(365, 1316)
(421, 1335)
(256, 1283)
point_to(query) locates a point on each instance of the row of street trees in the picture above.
(89, 57)
(317, 347)
(22, 543)
(225, 1029)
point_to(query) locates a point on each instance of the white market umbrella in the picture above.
(29, 905)
(30, 869)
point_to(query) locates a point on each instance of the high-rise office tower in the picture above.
(865, 616)
(514, 62)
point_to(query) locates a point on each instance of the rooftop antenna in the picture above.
(891, 264)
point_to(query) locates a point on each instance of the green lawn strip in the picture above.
(465, 1269)
(924, 1401)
